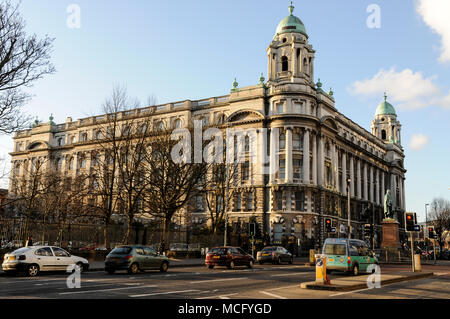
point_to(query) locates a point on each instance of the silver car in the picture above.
(34, 259)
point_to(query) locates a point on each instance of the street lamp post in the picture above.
(348, 209)
(426, 229)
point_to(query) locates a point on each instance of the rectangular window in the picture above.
(280, 108)
(238, 202)
(279, 200)
(246, 171)
(300, 201)
(249, 201)
(282, 169)
(298, 163)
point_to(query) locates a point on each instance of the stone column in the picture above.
(358, 178)
(320, 165)
(273, 165)
(377, 186)
(335, 166)
(75, 165)
(289, 178)
(344, 174)
(403, 194)
(371, 184)
(400, 193)
(383, 188)
(306, 179)
(366, 195)
(314, 154)
(294, 61)
(352, 177)
(393, 191)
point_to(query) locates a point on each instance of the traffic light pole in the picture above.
(412, 250)
(373, 227)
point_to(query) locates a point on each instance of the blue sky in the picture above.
(178, 50)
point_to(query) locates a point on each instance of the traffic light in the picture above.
(328, 225)
(252, 229)
(431, 233)
(410, 221)
(368, 230)
(438, 231)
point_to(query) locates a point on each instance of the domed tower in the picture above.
(385, 125)
(290, 57)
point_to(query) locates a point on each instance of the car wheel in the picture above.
(110, 270)
(33, 270)
(134, 268)
(291, 260)
(355, 270)
(210, 266)
(164, 266)
(250, 264)
(231, 265)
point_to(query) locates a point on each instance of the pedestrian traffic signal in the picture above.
(368, 230)
(438, 231)
(328, 225)
(431, 233)
(410, 221)
(252, 229)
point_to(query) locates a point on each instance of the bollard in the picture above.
(417, 265)
(321, 269)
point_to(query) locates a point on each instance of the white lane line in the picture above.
(102, 290)
(350, 292)
(442, 273)
(163, 293)
(284, 287)
(272, 295)
(294, 274)
(215, 280)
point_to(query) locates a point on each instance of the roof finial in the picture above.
(291, 8)
(385, 96)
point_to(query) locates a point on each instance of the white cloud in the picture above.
(435, 13)
(418, 142)
(406, 89)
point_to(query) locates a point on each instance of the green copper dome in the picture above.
(291, 24)
(385, 108)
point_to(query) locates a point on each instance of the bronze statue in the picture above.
(388, 212)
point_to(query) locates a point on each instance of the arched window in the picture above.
(71, 163)
(84, 137)
(17, 169)
(59, 163)
(72, 140)
(282, 141)
(284, 63)
(98, 135)
(83, 162)
(383, 134)
(160, 126)
(177, 123)
(60, 141)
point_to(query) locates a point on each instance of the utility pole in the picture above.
(425, 229)
(373, 227)
(226, 206)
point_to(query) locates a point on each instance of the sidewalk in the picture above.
(348, 283)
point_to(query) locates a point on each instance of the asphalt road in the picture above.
(261, 282)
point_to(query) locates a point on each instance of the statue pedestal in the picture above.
(390, 244)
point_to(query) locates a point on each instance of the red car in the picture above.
(228, 256)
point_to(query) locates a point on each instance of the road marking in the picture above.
(163, 293)
(442, 273)
(272, 295)
(214, 280)
(102, 290)
(284, 287)
(350, 292)
(294, 274)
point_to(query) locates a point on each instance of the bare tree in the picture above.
(23, 60)
(170, 185)
(440, 218)
(110, 140)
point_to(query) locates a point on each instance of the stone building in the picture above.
(318, 156)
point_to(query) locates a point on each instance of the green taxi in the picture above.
(348, 255)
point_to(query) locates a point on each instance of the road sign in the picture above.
(343, 229)
(333, 230)
(416, 227)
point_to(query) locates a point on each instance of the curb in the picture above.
(311, 285)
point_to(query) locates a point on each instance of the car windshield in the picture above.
(121, 250)
(335, 249)
(269, 249)
(20, 250)
(219, 251)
